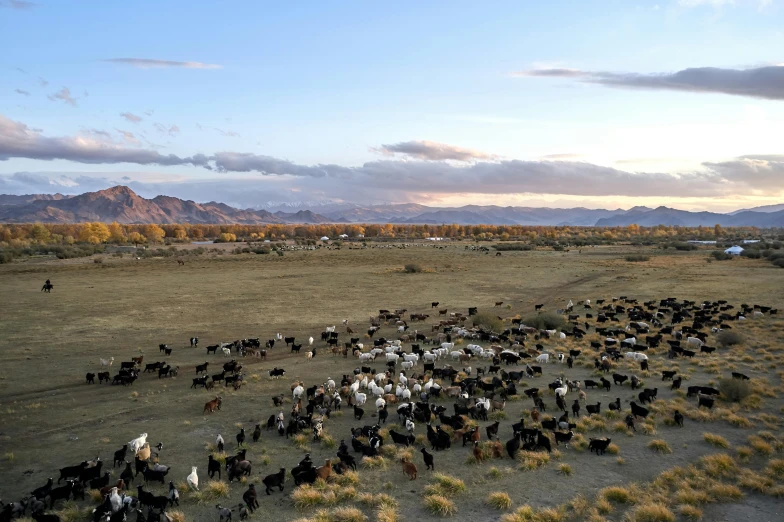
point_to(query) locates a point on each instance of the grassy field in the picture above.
(49, 418)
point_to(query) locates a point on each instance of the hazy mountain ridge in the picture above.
(123, 205)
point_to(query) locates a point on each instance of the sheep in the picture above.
(360, 398)
(106, 363)
(136, 444)
(193, 478)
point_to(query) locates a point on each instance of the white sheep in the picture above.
(380, 403)
(407, 365)
(360, 398)
(545, 357)
(193, 479)
(106, 363)
(226, 352)
(561, 392)
(298, 391)
(310, 341)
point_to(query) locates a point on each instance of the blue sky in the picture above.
(271, 91)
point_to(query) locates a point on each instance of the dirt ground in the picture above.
(49, 417)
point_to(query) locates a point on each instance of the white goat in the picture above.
(360, 398)
(106, 363)
(136, 444)
(193, 479)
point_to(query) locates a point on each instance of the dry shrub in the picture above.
(659, 446)
(728, 338)
(651, 513)
(689, 496)
(613, 449)
(347, 514)
(734, 390)
(377, 500)
(716, 440)
(307, 497)
(440, 506)
(603, 506)
(413, 268)
(71, 512)
(744, 453)
(302, 441)
(499, 500)
(564, 469)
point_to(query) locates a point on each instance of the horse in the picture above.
(47, 287)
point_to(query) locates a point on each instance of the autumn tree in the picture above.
(39, 233)
(136, 238)
(154, 233)
(116, 233)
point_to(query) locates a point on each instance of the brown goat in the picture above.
(478, 454)
(324, 471)
(498, 449)
(213, 405)
(409, 468)
(535, 415)
(108, 489)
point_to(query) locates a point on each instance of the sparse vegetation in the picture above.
(545, 321)
(660, 446)
(729, 338)
(637, 258)
(440, 506)
(413, 268)
(499, 500)
(716, 440)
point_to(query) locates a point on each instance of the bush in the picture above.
(684, 246)
(413, 268)
(716, 440)
(499, 500)
(751, 254)
(718, 255)
(488, 321)
(734, 390)
(659, 446)
(727, 338)
(651, 513)
(637, 258)
(545, 321)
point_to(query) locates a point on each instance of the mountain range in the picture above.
(123, 205)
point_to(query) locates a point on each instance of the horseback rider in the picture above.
(47, 286)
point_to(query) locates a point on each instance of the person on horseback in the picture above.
(47, 286)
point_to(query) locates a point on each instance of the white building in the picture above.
(734, 250)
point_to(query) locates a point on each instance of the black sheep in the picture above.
(240, 437)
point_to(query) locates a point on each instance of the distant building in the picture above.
(734, 250)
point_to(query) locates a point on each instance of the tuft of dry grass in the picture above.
(775, 468)
(302, 441)
(760, 445)
(95, 496)
(720, 492)
(613, 449)
(651, 513)
(754, 481)
(211, 491)
(719, 465)
(377, 462)
(387, 513)
(531, 460)
(176, 516)
(564, 469)
(440, 506)
(446, 485)
(659, 446)
(715, 440)
(499, 500)
(690, 512)
(620, 461)
(617, 495)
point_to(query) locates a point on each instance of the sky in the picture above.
(602, 104)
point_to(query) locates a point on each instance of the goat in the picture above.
(428, 458)
(275, 480)
(213, 405)
(193, 478)
(250, 499)
(409, 468)
(600, 445)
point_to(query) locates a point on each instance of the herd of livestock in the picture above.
(418, 374)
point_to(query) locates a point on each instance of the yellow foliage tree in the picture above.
(154, 233)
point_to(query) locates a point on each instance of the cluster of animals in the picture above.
(417, 396)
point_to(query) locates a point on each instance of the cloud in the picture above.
(146, 63)
(129, 137)
(430, 150)
(131, 117)
(561, 157)
(42, 82)
(18, 4)
(228, 133)
(395, 179)
(171, 130)
(760, 82)
(22, 92)
(64, 95)
(17, 140)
